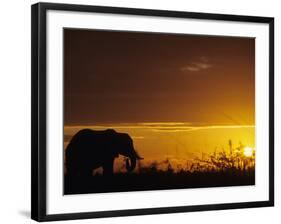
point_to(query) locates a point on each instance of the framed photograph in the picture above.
(139, 111)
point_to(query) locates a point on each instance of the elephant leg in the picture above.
(108, 167)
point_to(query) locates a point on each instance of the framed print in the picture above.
(138, 111)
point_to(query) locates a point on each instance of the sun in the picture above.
(248, 151)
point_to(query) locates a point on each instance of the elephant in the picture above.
(90, 149)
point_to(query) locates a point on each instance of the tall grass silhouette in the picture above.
(227, 161)
(231, 160)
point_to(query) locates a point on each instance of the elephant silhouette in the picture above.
(91, 149)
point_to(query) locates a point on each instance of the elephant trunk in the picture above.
(131, 163)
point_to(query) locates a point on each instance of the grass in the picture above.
(219, 169)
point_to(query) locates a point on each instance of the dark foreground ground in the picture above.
(156, 181)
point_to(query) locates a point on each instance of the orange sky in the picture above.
(176, 95)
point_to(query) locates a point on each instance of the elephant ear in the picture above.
(111, 138)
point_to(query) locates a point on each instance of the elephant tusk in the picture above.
(137, 155)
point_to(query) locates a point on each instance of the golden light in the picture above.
(248, 151)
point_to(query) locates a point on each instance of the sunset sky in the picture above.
(174, 94)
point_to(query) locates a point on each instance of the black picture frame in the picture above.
(38, 70)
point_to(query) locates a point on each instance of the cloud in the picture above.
(194, 66)
(197, 128)
(137, 137)
(168, 124)
(155, 127)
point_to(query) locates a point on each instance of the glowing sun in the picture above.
(248, 151)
